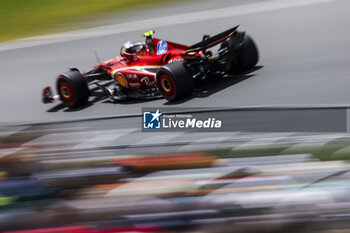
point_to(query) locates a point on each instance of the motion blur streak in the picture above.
(261, 182)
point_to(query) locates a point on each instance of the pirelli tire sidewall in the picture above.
(72, 88)
(175, 81)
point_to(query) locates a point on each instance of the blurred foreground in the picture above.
(225, 188)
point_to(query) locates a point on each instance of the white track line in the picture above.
(160, 22)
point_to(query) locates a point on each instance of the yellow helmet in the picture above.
(148, 34)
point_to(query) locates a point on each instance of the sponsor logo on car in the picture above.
(131, 76)
(175, 59)
(147, 82)
(134, 85)
(162, 47)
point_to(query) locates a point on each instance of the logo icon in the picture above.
(151, 120)
(162, 47)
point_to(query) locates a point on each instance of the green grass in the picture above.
(25, 18)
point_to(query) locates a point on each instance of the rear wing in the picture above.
(211, 41)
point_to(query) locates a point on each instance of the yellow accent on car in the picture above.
(121, 80)
(166, 85)
(65, 92)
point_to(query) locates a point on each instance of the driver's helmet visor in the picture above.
(132, 48)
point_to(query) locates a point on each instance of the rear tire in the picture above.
(73, 89)
(243, 58)
(175, 81)
(248, 55)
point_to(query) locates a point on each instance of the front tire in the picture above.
(175, 81)
(73, 89)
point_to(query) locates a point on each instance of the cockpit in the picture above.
(133, 49)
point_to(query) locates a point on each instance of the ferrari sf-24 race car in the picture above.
(156, 68)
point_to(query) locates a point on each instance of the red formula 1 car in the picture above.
(157, 68)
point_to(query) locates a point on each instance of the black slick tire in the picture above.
(73, 89)
(175, 81)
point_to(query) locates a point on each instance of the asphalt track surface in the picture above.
(304, 47)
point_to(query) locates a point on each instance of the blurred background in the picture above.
(278, 165)
(21, 18)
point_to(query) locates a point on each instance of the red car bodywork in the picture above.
(152, 69)
(139, 71)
